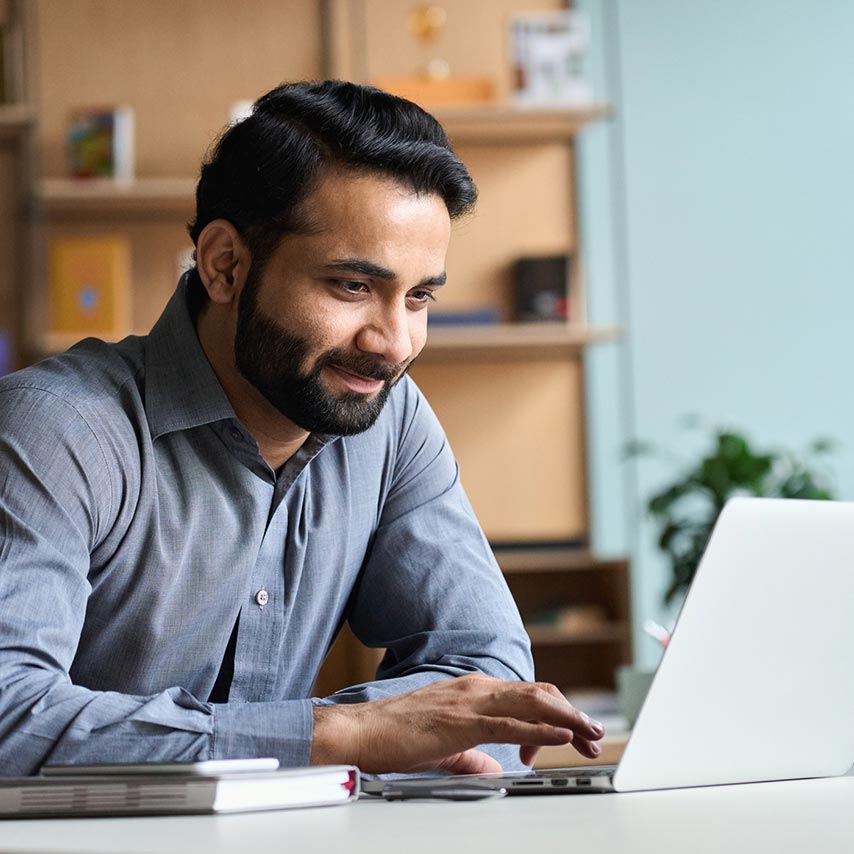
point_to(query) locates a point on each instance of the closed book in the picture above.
(101, 143)
(466, 317)
(89, 285)
(169, 794)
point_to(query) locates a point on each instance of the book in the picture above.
(101, 143)
(465, 317)
(175, 793)
(89, 285)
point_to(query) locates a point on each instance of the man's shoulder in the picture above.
(93, 378)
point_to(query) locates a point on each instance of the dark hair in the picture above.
(261, 168)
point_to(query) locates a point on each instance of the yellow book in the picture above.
(89, 285)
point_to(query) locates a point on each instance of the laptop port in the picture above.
(583, 781)
(560, 782)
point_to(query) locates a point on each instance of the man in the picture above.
(186, 519)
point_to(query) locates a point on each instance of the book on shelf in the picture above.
(89, 285)
(106, 794)
(465, 317)
(101, 143)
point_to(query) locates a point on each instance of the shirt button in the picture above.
(262, 597)
(236, 435)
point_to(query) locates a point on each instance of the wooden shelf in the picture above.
(514, 561)
(106, 196)
(508, 341)
(548, 636)
(14, 119)
(507, 123)
(492, 123)
(513, 340)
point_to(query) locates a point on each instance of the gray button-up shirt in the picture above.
(139, 523)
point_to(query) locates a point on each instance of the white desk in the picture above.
(804, 816)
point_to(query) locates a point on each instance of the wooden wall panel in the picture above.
(180, 65)
(524, 207)
(517, 431)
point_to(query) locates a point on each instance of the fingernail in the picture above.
(597, 727)
(595, 748)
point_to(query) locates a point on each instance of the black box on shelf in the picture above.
(541, 288)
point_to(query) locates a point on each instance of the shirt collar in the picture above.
(181, 389)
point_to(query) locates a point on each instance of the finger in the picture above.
(508, 730)
(528, 753)
(596, 729)
(542, 702)
(590, 749)
(471, 762)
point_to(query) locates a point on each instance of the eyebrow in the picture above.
(375, 271)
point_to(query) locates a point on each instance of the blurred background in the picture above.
(660, 253)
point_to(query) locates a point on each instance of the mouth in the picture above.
(356, 382)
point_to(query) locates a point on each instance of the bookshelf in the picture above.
(15, 118)
(510, 395)
(17, 124)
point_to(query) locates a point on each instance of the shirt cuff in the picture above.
(280, 729)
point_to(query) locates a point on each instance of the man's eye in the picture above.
(350, 287)
(423, 297)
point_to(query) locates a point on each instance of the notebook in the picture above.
(756, 683)
(174, 789)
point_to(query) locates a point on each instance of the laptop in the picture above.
(756, 683)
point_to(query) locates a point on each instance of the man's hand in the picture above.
(438, 727)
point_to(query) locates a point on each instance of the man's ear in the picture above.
(223, 260)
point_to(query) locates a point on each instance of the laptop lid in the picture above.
(757, 682)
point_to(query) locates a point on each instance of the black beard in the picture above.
(272, 360)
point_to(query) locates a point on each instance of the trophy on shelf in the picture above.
(434, 84)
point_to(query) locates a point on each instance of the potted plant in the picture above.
(685, 510)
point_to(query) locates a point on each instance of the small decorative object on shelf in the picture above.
(239, 111)
(101, 143)
(541, 288)
(434, 84)
(548, 52)
(89, 286)
(570, 620)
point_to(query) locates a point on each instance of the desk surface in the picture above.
(796, 816)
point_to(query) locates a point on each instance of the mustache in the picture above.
(363, 365)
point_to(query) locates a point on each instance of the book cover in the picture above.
(465, 317)
(101, 143)
(89, 285)
(165, 794)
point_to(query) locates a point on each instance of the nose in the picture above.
(389, 334)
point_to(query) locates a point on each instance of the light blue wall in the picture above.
(718, 220)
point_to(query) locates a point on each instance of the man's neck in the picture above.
(277, 436)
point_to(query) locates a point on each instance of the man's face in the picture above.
(339, 312)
